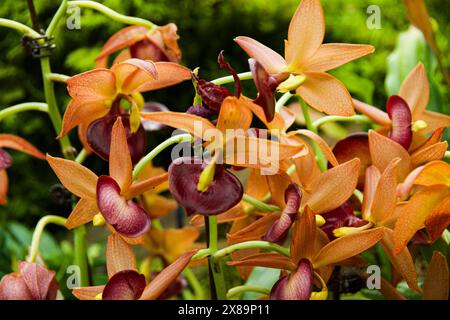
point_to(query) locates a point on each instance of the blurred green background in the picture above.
(205, 28)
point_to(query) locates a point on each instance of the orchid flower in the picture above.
(160, 44)
(407, 117)
(312, 256)
(16, 143)
(306, 62)
(125, 283)
(110, 195)
(32, 282)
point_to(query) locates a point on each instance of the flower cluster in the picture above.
(247, 165)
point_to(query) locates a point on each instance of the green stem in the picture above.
(112, 14)
(152, 154)
(58, 15)
(39, 230)
(251, 244)
(81, 156)
(259, 204)
(321, 161)
(282, 101)
(19, 27)
(57, 77)
(213, 261)
(27, 106)
(53, 110)
(228, 79)
(80, 254)
(195, 284)
(245, 288)
(356, 118)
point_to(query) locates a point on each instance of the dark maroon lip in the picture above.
(296, 286)
(99, 137)
(124, 285)
(400, 115)
(6, 160)
(223, 193)
(125, 216)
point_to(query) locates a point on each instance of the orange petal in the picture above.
(80, 111)
(418, 16)
(439, 219)
(416, 91)
(306, 32)
(347, 246)
(158, 206)
(19, 144)
(169, 74)
(233, 115)
(195, 125)
(267, 260)
(332, 55)
(304, 237)
(436, 283)
(172, 243)
(271, 61)
(87, 293)
(377, 115)
(277, 184)
(383, 150)
(119, 256)
(389, 291)
(413, 215)
(256, 184)
(122, 39)
(326, 94)
(120, 166)
(82, 213)
(133, 73)
(431, 153)
(254, 231)
(235, 213)
(320, 142)
(402, 262)
(307, 169)
(370, 187)
(3, 187)
(333, 187)
(93, 85)
(434, 173)
(166, 277)
(385, 198)
(77, 179)
(435, 120)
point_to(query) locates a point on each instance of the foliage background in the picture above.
(205, 27)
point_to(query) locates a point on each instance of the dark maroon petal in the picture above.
(355, 145)
(342, 216)
(224, 192)
(124, 285)
(400, 114)
(127, 217)
(5, 160)
(153, 107)
(40, 281)
(13, 287)
(99, 137)
(212, 94)
(226, 65)
(266, 85)
(279, 229)
(174, 288)
(296, 286)
(147, 50)
(421, 238)
(200, 111)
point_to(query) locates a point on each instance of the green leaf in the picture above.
(261, 277)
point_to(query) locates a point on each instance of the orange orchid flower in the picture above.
(109, 195)
(310, 251)
(307, 60)
(125, 283)
(415, 90)
(428, 207)
(94, 92)
(160, 44)
(16, 143)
